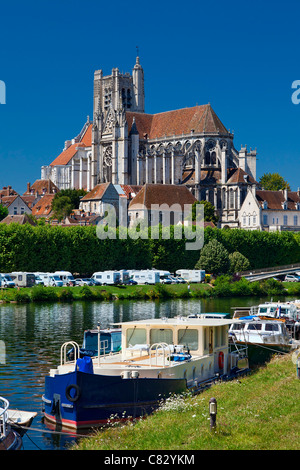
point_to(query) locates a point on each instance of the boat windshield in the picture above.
(271, 327)
(254, 326)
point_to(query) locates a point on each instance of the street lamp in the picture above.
(213, 412)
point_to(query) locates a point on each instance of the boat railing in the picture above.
(4, 405)
(64, 355)
(158, 350)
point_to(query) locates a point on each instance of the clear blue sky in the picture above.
(240, 56)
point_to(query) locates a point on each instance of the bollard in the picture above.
(213, 412)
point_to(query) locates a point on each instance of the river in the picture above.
(32, 335)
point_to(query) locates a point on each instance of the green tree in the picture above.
(214, 258)
(73, 194)
(273, 182)
(209, 211)
(238, 262)
(62, 207)
(3, 212)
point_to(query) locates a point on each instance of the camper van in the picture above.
(6, 281)
(107, 277)
(22, 279)
(191, 275)
(66, 277)
(146, 277)
(165, 277)
(50, 279)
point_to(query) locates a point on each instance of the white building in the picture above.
(271, 210)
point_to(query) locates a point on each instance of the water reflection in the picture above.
(33, 334)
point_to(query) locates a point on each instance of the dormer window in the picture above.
(265, 205)
(284, 205)
(297, 206)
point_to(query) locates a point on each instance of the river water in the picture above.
(31, 336)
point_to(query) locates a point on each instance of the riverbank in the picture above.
(251, 416)
(222, 287)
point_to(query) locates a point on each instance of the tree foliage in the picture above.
(3, 212)
(273, 182)
(238, 262)
(214, 258)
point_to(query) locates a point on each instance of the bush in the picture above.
(214, 258)
(42, 294)
(238, 262)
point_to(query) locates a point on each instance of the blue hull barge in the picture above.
(159, 357)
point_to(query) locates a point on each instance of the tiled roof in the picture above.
(131, 190)
(199, 119)
(41, 187)
(67, 154)
(8, 191)
(275, 199)
(96, 193)
(213, 176)
(7, 200)
(43, 207)
(162, 194)
(19, 219)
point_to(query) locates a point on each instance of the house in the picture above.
(94, 201)
(271, 210)
(160, 203)
(15, 204)
(43, 208)
(18, 219)
(37, 190)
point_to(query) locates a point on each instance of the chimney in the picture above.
(28, 187)
(285, 192)
(8, 190)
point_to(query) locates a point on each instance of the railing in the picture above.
(63, 352)
(161, 349)
(4, 405)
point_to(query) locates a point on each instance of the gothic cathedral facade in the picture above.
(126, 146)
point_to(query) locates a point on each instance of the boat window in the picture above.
(135, 336)
(188, 338)
(271, 327)
(238, 326)
(161, 335)
(263, 310)
(254, 326)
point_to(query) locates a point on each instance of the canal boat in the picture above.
(159, 357)
(263, 337)
(285, 311)
(10, 439)
(110, 342)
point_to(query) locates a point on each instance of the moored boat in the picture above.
(10, 439)
(263, 337)
(159, 357)
(109, 338)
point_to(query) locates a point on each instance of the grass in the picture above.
(223, 287)
(258, 412)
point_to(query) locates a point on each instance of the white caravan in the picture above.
(22, 279)
(50, 279)
(66, 277)
(191, 275)
(145, 277)
(107, 277)
(6, 281)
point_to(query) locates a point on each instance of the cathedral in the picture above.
(126, 146)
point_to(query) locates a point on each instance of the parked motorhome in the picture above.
(6, 281)
(22, 279)
(191, 275)
(146, 277)
(66, 277)
(50, 279)
(107, 277)
(165, 277)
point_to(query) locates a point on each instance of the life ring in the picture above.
(221, 359)
(73, 397)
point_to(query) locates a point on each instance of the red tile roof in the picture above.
(199, 119)
(43, 207)
(96, 193)
(41, 187)
(275, 199)
(67, 154)
(162, 194)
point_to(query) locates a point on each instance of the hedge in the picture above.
(79, 250)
